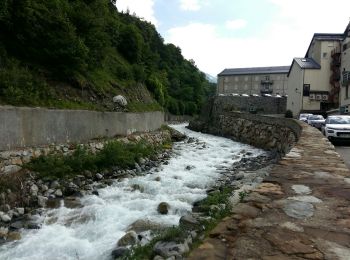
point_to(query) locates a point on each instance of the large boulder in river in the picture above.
(129, 239)
(143, 225)
(163, 208)
(120, 100)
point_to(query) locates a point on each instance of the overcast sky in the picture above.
(219, 34)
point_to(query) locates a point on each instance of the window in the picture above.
(324, 55)
(267, 78)
(306, 90)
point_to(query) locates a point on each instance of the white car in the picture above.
(337, 127)
(303, 117)
(316, 121)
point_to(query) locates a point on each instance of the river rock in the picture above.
(137, 187)
(42, 201)
(163, 208)
(129, 239)
(3, 232)
(58, 193)
(119, 252)
(169, 249)
(99, 176)
(189, 222)
(143, 225)
(20, 211)
(12, 236)
(16, 225)
(34, 190)
(5, 217)
(54, 185)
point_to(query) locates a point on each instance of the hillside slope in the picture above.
(81, 53)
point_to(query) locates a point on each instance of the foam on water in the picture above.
(91, 232)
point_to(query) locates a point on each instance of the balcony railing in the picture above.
(266, 82)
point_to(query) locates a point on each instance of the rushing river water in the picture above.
(92, 231)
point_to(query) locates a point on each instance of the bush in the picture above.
(288, 114)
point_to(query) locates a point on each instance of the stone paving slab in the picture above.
(301, 211)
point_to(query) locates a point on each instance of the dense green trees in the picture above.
(88, 43)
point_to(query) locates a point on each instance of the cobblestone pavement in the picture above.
(301, 211)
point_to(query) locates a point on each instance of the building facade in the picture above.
(254, 81)
(345, 73)
(313, 81)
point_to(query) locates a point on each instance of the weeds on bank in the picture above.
(210, 206)
(167, 235)
(113, 154)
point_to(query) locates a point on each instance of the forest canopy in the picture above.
(91, 46)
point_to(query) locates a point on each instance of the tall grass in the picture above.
(114, 153)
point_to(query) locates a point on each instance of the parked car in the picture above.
(337, 127)
(316, 121)
(303, 117)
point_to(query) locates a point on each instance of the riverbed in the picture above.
(93, 230)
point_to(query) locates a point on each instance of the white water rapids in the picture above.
(92, 231)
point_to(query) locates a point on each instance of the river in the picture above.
(92, 231)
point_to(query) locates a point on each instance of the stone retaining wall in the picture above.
(270, 133)
(31, 127)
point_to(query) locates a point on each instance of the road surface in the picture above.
(343, 148)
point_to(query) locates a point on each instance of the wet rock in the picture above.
(3, 232)
(16, 225)
(95, 192)
(188, 222)
(129, 239)
(176, 136)
(143, 225)
(119, 252)
(12, 236)
(163, 208)
(137, 187)
(189, 167)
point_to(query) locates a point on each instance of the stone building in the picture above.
(257, 81)
(313, 81)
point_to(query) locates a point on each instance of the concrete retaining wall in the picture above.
(23, 127)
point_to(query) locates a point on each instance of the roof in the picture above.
(256, 70)
(305, 63)
(325, 37)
